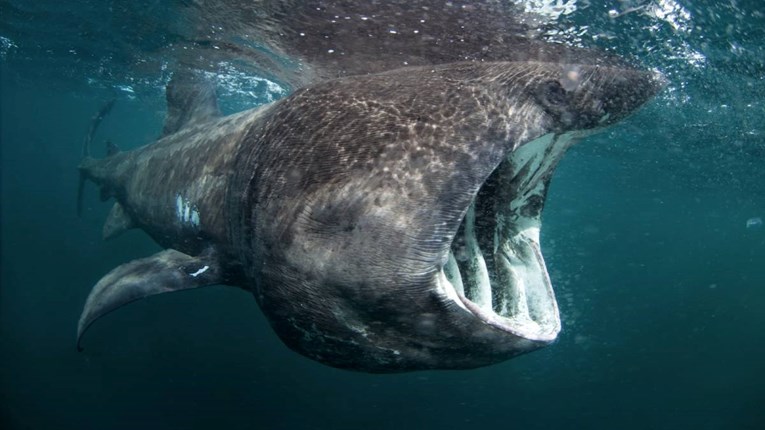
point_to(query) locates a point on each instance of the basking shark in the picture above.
(385, 215)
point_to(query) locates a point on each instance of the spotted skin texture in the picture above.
(349, 217)
(337, 206)
(194, 163)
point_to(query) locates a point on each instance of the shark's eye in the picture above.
(552, 93)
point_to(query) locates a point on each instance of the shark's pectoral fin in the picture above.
(117, 222)
(164, 272)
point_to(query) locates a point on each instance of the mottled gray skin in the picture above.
(337, 205)
(349, 218)
(419, 144)
(195, 163)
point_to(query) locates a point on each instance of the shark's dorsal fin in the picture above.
(165, 272)
(190, 99)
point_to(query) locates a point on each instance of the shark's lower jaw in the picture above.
(495, 268)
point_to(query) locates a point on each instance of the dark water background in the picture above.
(660, 283)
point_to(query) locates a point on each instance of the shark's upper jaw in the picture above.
(495, 268)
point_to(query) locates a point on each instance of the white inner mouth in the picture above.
(495, 268)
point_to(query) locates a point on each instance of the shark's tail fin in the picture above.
(94, 123)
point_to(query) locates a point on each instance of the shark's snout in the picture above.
(626, 91)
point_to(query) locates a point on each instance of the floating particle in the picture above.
(754, 223)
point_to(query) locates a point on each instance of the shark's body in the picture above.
(384, 221)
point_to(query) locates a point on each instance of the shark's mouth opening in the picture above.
(495, 267)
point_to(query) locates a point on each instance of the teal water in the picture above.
(661, 283)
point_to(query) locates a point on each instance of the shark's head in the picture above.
(393, 219)
(585, 97)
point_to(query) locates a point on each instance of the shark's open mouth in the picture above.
(495, 268)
